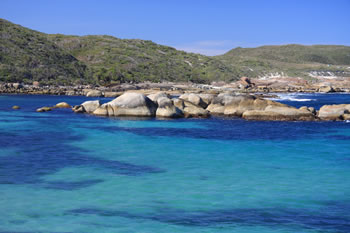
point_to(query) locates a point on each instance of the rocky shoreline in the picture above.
(244, 85)
(163, 105)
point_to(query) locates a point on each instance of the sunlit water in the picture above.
(66, 172)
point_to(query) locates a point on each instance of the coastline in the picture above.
(243, 86)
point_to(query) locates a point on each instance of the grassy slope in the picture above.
(27, 56)
(293, 60)
(119, 60)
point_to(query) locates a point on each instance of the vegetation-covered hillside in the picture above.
(120, 60)
(292, 60)
(27, 56)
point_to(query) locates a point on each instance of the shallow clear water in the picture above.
(65, 172)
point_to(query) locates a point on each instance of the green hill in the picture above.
(27, 56)
(293, 60)
(120, 60)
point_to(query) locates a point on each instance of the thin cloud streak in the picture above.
(209, 47)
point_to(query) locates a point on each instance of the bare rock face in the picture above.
(195, 99)
(111, 94)
(279, 113)
(326, 89)
(94, 93)
(207, 98)
(91, 106)
(191, 110)
(63, 105)
(166, 108)
(101, 110)
(132, 104)
(155, 96)
(218, 104)
(333, 112)
(238, 105)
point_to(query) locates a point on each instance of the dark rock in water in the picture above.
(16, 107)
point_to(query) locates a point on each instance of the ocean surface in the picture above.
(66, 172)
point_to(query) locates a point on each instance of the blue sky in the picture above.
(202, 26)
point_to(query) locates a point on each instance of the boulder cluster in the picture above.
(204, 105)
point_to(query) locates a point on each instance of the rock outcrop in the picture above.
(155, 96)
(91, 106)
(279, 113)
(334, 112)
(94, 93)
(44, 109)
(191, 110)
(128, 104)
(63, 105)
(326, 89)
(195, 99)
(166, 108)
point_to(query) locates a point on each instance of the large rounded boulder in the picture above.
(132, 104)
(91, 106)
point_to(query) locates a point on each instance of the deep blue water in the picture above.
(66, 172)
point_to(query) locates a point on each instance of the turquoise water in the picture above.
(65, 172)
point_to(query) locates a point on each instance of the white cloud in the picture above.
(207, 47)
